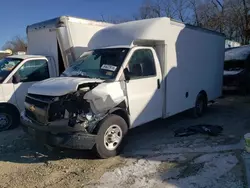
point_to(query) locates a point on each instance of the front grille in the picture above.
(56, 111)
(42, 97)
(30, 115)
(40, 117)
(36, 117)
(37, 103)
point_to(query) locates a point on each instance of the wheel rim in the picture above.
(112, 137)
(5, 121)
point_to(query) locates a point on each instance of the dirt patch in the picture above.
(152, 158)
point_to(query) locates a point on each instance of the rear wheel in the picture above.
(9, 118)
(200, 105)
(110, 136)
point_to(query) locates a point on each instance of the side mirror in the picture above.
(15, 79)
(126, 74)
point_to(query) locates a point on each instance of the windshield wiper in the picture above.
(81, 75)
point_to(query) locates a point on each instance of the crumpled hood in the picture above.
(59, 86)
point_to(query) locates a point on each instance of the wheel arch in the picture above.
(10, 106)
(122, 113)
(204, 93)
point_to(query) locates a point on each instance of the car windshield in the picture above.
(6, 66)
(102, 64)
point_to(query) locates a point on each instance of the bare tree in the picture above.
(182, 10)
(114, 20)
(16, 44)
(150, 9)
(177, 9)
(219, 6)
(168, 9)
(193, 4)
(246, 9)
(231, 17)
(227, 16)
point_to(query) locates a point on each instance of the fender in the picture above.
(122, 111)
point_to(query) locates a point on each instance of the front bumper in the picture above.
(50, 136)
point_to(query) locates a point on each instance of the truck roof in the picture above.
(25, 56)
(59, 21)
(126, 33)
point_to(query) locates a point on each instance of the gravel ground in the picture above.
(153, 157)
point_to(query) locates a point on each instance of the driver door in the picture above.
(30, 72)
(143, 88)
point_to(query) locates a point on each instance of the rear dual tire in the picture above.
(200, 105)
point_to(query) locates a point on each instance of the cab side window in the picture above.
(33, 70)
(142, 64)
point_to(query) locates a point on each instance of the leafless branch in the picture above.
(16, 44)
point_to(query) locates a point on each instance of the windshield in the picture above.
(6, 66)
(102, 64)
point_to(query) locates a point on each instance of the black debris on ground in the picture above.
(212, 130)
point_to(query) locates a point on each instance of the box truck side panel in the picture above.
(64, 44)
(193, 57)
(194, 63)
(43, 42)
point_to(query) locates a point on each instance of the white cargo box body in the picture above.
(191, 58)
(64, 38)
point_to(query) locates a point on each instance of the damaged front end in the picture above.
(72, 117)
(70, 110)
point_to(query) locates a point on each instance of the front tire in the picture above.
(9, 119)
(110, 136)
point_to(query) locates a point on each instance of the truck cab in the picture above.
(17, 74)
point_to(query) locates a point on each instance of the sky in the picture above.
(16, 15)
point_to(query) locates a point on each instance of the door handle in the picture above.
(158, 84)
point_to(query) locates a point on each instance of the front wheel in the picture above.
(8, 119)
(110, 136)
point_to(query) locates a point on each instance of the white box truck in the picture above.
(136, 72)
(54, 45)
